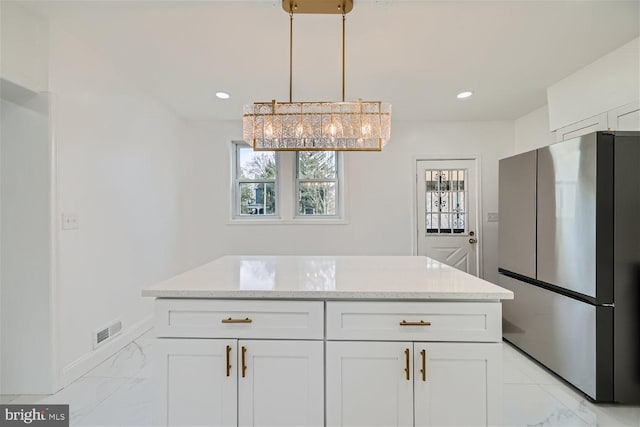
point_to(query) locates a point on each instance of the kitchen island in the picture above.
(327, 340)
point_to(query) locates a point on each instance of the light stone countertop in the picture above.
(328, 278)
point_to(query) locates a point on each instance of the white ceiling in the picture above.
(416, 55)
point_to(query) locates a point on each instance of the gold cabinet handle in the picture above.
(420, 323)
(407, 369)
(228, 360)
(231, 320)
(244, 364)
(423, 371)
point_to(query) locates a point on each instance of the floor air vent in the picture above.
(103, 334)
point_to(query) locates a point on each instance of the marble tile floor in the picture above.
(118, 393)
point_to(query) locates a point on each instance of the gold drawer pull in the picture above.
(423, 371)
(420, 323)
(230, 320)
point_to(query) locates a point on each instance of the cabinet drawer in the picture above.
(414, 321)
(203, 318)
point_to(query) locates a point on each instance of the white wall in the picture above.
(610, 82)
(380, 193)
(25, 315)
(531, 131)
(119, 156)
(23, 38)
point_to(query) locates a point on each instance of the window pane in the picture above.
(257, 198)
(317, 198)
(433, 223)
(256, 165)
(432, 180)
(445, 225)
(316, 165)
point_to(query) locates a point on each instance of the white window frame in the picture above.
(286, 193)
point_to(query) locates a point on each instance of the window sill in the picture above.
(296, 221)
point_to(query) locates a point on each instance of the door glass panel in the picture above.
(445, 192)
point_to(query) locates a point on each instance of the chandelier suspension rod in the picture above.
(343, 20)
(291, 54)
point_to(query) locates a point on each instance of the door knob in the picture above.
(473, 240)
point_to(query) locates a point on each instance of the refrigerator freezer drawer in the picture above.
(570, 337)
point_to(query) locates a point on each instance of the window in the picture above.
(446, 201)
(255, 181)
(317, 182)
(287, 187)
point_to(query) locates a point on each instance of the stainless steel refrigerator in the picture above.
(569, 249)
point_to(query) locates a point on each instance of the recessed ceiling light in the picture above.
(223, 95)
(465, 94)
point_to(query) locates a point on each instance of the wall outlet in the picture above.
(70, 221)
(493, 217)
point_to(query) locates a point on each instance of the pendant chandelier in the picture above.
(317, 126)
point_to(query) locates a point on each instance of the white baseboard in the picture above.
(88, 361)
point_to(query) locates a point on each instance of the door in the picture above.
(280, 383)
(566, 214)
(197, 385)
(517, 207)
(369, 384)
(447, 205)
(457, 384)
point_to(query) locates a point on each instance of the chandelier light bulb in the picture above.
(268, 131)
(365, 128)
(334, 129)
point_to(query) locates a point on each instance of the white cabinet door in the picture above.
(583, 127)
(626, 117)
(369, 384)
(458, 384)
(280, 383)
(195, 387)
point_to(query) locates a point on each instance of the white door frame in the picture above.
(479, 212)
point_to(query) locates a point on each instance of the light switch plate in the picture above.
(493, 217)
(70, 221)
